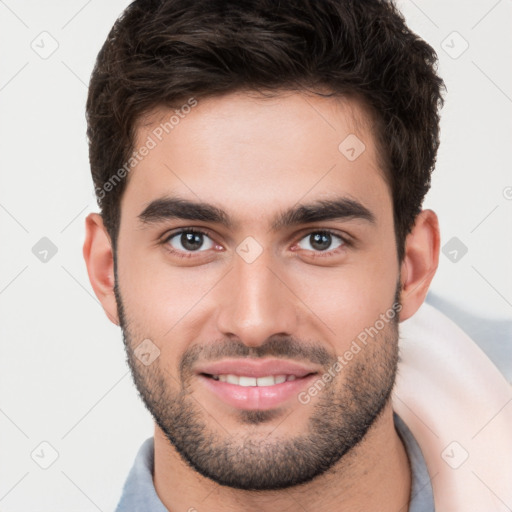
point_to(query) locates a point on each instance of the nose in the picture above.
(256, 302)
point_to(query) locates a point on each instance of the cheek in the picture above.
(351, 298)
(160, 300)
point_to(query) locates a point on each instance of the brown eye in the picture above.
(190, 241)
(320, 241)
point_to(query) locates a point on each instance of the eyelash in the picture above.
(317, 254)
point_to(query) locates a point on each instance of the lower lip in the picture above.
(256, 397)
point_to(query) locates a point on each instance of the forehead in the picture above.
(258, 154)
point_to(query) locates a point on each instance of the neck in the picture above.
(374, 475)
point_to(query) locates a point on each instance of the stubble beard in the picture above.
(342, 413)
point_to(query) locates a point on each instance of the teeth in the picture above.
(268, 380)
(232, 379)
(247, 381)
(265, 381)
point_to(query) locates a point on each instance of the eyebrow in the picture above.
(340, 208)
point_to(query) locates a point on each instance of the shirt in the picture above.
(139, 492)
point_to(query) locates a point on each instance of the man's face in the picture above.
(253, 301)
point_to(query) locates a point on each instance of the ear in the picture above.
(99, 260)
(420, 262)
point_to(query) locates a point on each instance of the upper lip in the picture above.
(256, 368)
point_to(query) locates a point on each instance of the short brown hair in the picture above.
(160, 52)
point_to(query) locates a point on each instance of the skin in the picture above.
(255, 158)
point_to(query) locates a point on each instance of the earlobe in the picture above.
(420, 262)
(99, 260)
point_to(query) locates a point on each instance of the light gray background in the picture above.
(63, 379)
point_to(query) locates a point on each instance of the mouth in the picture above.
(246, 381)
(256, 385)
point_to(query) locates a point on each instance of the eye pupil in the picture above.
(191, 241)
(321, 241)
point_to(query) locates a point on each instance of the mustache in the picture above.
(276, 346)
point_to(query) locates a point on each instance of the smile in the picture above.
(244, 380)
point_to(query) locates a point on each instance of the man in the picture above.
(260, 168)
